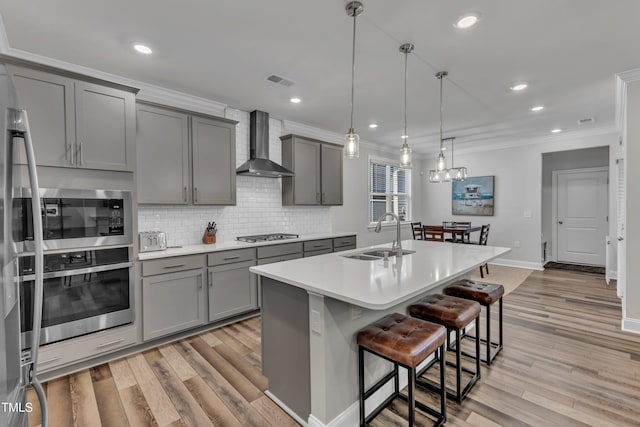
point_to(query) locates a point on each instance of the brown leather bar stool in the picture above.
(486, 294)
(405, 342)
(455, 314)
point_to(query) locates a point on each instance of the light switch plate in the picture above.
(527, 214)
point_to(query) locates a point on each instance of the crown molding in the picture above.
(567, 136)
(4, 40)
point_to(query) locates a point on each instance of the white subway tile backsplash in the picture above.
(258, 203)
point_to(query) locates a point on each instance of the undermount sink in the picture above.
(374, 254)
(380, 252)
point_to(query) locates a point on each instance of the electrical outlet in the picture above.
(516, 244)
(526, 214)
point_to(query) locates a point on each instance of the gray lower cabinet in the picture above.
(185, 158)
(318, 168)
(76, 123)
(232, 290)
(173, 302)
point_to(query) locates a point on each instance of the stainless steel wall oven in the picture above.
(75, 218)
(84, 291)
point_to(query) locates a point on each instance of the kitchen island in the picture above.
(312, 309)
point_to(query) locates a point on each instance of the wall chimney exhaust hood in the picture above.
(259, 163)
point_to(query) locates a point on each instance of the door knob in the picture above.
(560, 222)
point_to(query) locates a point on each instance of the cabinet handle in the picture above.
(78, 158)
(195, 194)
(211, 279)
(230, 258)
(81, 156)
(174, 266)
(318, 246)
(345, 242)
(200, 282)
(322, 199)
(318, 197)
(45, 362)
(184, 194)
(67, 153)
(110, 343)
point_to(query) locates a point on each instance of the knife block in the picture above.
(207, 240)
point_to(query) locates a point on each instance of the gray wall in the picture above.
(565, 160)
(518, 191)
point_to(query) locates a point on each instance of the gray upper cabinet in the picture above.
(75, 123)
(214, 161)
(331, 174)
(318, 168)
(162, 146)
(105, 127)
(184, 158)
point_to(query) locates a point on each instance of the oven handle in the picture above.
(39, 261)
(78, 271)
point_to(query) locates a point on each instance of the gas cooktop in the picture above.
(266, 237)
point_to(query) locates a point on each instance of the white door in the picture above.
(582, 216)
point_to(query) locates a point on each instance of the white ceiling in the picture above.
(568, 51)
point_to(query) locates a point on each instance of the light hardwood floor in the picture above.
(565, 363)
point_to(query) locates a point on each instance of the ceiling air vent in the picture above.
(274, 78)
(586, 120)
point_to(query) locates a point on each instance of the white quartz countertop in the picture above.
(379, 284)
(233, 244)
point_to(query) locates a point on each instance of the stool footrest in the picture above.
(496, 348)
(380, 408)
(377, 386)
(440, 419)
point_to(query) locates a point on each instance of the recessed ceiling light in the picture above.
(142, 49)
(519, 86)
(537, 108)
(404, 136)
(373, 125)
(556, 130)
(295, 100)
(467, 21)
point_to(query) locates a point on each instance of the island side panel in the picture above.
(335, 355)
(285, 344)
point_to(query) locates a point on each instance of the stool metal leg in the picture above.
(411, 388)
(443, 387)
(488, 310)
(458, 367)
(361, 383)
(478, 348)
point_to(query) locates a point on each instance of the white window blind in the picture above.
(621, 220)
(389, 190)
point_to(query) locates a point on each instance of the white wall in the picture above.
(565, 160)
(518, 189)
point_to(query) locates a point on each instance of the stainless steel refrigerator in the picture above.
(17, 368)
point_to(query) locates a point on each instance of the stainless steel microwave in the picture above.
(74, 218)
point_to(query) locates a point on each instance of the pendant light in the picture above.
(441, 173)
(352, 140)
(405, 151)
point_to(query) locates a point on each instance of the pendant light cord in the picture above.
(441, 77)
(353, 67)
(406, 56)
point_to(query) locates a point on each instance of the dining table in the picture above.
(460, 231)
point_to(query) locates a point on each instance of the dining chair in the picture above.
(484, 236)
(434, 233)
(416, 229)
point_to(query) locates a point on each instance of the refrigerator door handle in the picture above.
(22, 121)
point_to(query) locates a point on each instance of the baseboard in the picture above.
(287, 409)
(519, 264)
(631, 325)
(612, 275)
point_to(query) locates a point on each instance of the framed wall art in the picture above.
(473, 196)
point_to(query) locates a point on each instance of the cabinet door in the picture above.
(105, 127)
(214, 162)
(49, 101)
(172, 303)
(306, 161)
(232, 290)
(162, 155)
(331, 174)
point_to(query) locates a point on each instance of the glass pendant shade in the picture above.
(351, 148)
(405, 156)
(441, 163)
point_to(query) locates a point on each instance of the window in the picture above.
(389, 190)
